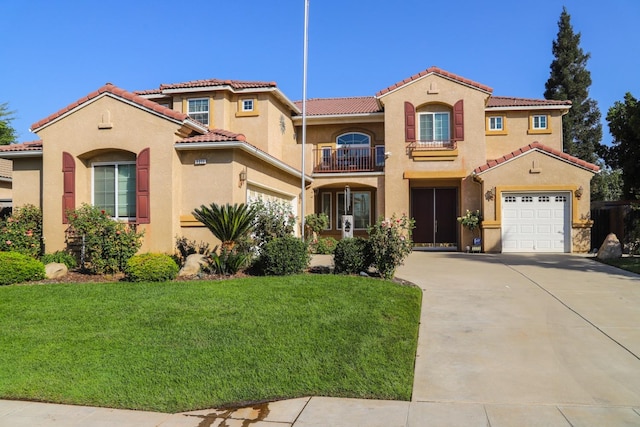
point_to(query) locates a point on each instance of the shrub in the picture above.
(22, 231)
(273, 219)
(314, 224)
(390, 243)
(16, 268)
(229, 262)
(283, 256)
(61, 257)
(151, 267)
(105, 244)
(351, 256)
(187, 247)
(323, 246)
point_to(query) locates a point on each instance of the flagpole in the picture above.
(304, 110)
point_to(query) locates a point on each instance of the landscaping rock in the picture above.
(610, 248)
(192, 265)
(55, 270)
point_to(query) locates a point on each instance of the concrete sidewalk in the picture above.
(505, 340)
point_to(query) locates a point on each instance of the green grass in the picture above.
(181, 346)
(626, 263)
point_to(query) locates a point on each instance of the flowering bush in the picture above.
(471, 221)
(390, 243)
(105, 245)
(273, 219)
(22, 231)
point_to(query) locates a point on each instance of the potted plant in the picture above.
(471, 221)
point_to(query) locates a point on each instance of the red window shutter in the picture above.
(409, 122)
(68, 185)
(143, 211)
(458, 120)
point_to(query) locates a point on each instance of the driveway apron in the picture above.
(559, 330)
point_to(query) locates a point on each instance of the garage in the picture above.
(536, 222)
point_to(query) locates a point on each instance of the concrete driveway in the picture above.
(553, 339)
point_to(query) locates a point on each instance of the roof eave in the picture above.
(248, 148)
(329, 118)
(382, 95)
(20, 154)
(529, 107)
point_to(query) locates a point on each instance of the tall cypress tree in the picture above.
(570, 80)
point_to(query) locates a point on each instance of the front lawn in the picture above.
(181, 346)
(626, 263)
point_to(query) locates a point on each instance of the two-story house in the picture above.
(431, 146)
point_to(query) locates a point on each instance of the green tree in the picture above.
(624, 125)
(606, 185)
(570, 80)
(7, 133)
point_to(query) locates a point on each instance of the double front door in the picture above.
(435, 211)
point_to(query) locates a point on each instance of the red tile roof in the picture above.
(331, 106)
(508, 101)
(215, 135)
(235, 84)
(121, 93)
(439, 71)
(538, 147)
(24, 146)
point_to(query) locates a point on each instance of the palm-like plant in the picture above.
(229, 224)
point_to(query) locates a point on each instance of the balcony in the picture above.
(348, 160)
(433, 150)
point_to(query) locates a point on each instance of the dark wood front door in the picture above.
(435, 213)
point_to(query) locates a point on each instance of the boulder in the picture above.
(55, 270)
(192, 265)
(610, 248)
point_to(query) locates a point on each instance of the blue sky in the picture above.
(56, 51)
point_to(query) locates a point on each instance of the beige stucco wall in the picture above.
(517, 133)
(403, 171)
(132, 130)
(27, 181)
(536, 171)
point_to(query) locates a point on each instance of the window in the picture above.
(434, 127)
(380, 156)
(114, 189)
(198, 109)
(326, 207)
(360, 206)
(353, 149)
(539, 122)
(495, 123)
(247, 105)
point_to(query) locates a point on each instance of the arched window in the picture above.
(354, 150)
(353, 140)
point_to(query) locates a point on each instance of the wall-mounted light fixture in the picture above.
(243, 177)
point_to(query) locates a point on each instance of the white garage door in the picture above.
(536, 222)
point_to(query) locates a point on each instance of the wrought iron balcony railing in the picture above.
(339, 160)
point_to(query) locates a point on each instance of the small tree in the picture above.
(230, 224)
(314, 224)
(624, 125)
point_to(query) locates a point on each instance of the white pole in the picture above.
(304, 110)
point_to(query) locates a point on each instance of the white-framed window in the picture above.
(360, 206)
(114, 188)
(496, 123)
(325, 207)
(434, 126)
(539, 122)
(198, 109)
(247, 105)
